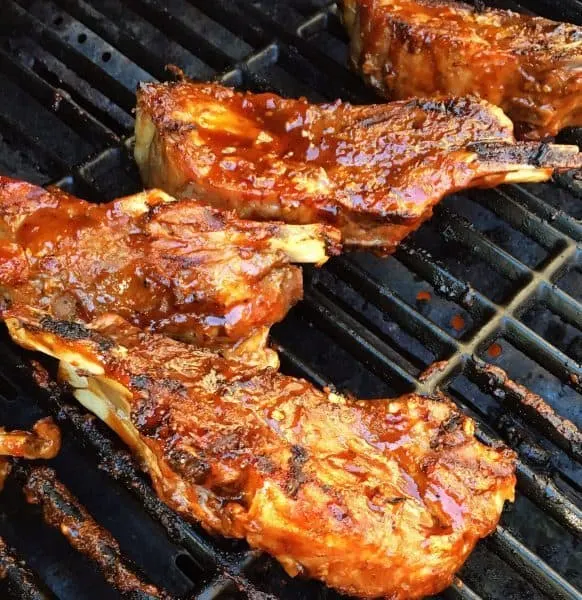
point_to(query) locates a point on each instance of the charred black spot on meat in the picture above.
(452, 423)
(140, 382)
(402, 30)
(428, 105)
(179, 126)
(447, 434)
(71, 330)
(297, 476)
(160, 387)
(170, 386)
(374, 120)
(265, 465)
(5, 303)
(66, 329)
(229, 444)
(395, 500)
(532, 153)
(150, 415)
(538, 159)
(193, 468)
(452, 106)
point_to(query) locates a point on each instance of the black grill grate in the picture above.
(503, 266)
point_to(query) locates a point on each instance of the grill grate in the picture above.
(501, 268)
(21, 580)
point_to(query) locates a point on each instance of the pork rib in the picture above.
(188, 270)
(376, 498)
(529, 66)
(374, 171)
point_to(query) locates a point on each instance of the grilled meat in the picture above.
(374, 171)
(375, 498)
(186, 269)
(529, 66)
(44, 441)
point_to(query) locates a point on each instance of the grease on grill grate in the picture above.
(505, 262)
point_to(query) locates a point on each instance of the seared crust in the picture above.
(183, 268)
(529, 66)
(376, 498)
(374, 171)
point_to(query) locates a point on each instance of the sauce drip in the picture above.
(495, 350)
(457, 322)
(423, 296)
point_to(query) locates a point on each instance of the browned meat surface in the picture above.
(188, 270)
(376, 498)
(44, 441)
(529, 66)
(374, 171)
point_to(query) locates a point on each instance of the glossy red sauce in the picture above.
(527, 65)
(151, 264)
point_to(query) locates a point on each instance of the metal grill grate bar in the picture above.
(557, 218)
(67, 109)
(457, 228)
(21, 581)
(531, 566)
(107, 84)
(381, 296)
(113, 34)
(174, 28)
(512, 212)
(63, 511)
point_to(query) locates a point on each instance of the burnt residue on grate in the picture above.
(20, 580)
(64, 512)
(560, 430)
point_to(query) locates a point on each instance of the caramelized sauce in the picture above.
(373, 171)
(527, 65)
(150, 263)
(384, 478)
(435, 367)
(13, 266)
